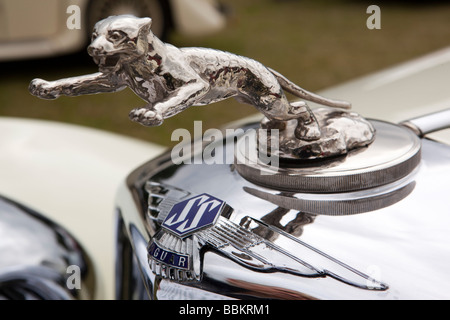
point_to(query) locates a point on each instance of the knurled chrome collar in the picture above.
(394, 154)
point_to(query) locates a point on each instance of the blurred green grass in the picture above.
(315, 43)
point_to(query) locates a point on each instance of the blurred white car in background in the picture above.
(32, 29)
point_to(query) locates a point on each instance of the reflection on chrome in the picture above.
(36, 255)
(270, 244)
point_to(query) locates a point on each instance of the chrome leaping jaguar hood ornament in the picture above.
(170, 80)
(333, 162)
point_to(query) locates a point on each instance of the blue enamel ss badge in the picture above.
(194, 214)
(174, 251)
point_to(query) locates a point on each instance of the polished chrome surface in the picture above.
(396, 244)
(170, 80)
(249, 244)
(340, 204)
(429, 123)
(36, 256)
(394, 154)
(341, 132)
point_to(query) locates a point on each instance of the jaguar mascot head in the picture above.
(120, 40)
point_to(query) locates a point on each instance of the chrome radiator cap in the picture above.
(394, 154)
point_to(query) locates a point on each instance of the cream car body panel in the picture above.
(71, 174)
(411, 89)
